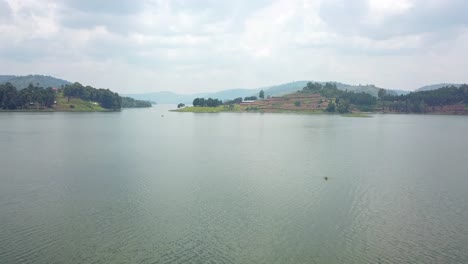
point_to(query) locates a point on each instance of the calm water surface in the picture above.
(136, 187)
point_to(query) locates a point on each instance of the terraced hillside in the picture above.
(289, 103)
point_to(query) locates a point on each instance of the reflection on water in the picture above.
(136, 187)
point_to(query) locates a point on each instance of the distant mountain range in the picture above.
(21, 82)
(276, 90)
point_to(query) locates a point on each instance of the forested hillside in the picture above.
(128, 102)
(30, 97)
(72, 97)
(436, 86)
(319, 98)
(105, 97)
(450, 99)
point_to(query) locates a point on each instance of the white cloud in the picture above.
(205, 45)
(379, 10)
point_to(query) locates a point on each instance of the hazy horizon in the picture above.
(205, 46)
(195, 91)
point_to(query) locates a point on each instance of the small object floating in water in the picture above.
(325, 178)
(162, 115)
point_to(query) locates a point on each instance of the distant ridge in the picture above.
(436, 86)
(167, 97)
(5, 78)
(276, 90)
(21, 82)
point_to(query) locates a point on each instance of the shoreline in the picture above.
(55, 111)
(214, 110)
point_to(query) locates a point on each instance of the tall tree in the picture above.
(382, 93)
(331, 107)
(261, 94)
(9, 96)
(343, 106)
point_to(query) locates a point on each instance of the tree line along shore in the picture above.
(327, 98)
(73, 97)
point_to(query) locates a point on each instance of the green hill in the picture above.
(21, 82)
(74, 97)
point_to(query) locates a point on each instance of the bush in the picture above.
(365, 108)
(343, 106)
(250, 98)
(297, 103)
(252, 108)
(331, 107)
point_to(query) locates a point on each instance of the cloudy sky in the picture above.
(208, 45)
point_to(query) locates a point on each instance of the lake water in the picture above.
(136, 187)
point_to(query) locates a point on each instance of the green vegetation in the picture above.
(238, 100)
(426, 101)
(22, 82)
(210, 102)
(206, 109)
(76, 104)
(382, 93)
(343, 106)
(73, 97)
(201, 109)
(361, 115)
(250, 98)
(128, 102)
(319, 98)
(105, 97)
(181, 105)
(261, 95)
(361, 99)
(331, 108)
(344, 100)
(252, 108)
(29, 98)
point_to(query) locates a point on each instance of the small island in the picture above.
(67, 98)
(316, 98)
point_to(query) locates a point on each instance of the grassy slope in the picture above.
(79, 105)
(63, 106)
(357, 115)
